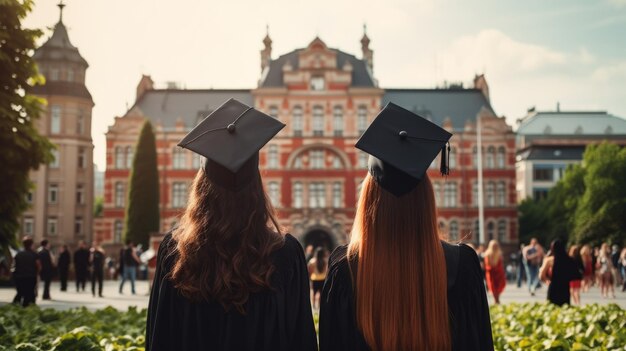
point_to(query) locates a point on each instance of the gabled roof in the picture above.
(361, 76)
(59, 48)
(552, 153)
(459, 105)
(571, 123)
(166, 106)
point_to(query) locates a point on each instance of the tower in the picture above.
(62, 199)
(368, 54)
(266, 53)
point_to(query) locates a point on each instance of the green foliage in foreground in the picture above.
(515, 327)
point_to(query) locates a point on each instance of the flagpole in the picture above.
(479, 159)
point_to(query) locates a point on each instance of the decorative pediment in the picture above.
(317, 56)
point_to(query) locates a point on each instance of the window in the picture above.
(78, 226)
(475, 157)
(272, 157)
(317, 195)
(476, 234)
(178, 158)
(489, 159)
(297, 163)
(56, 159)
(29, 197)
(490, 195)
(337, 190)
(274, 194)
(81, 157)
(437, 191)
(362, 162)
(336, 163)
(29, 226)
(501, 194)
(196, 161)
(361, 119)
(475, 193)
(543, 174)
(317, 83)
(540, 193)
(119, 194)
(338, 121)
(129, 157)
(52, 226)
(119, 157)
(502, 231)
(297, 121)
(297, 195)
(55, 119)
(317, 159)
(501, 157)
(452, 158)
(273, 111)
(80, 194)
(490, 230)
(318, 121)
(449, 199)
(179, 194)
(70, 75)
(80, 123)
(117, 231)
(453, 234)
(54, 74)
(53, 193)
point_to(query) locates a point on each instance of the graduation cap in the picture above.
(402, 145)
(230, 138)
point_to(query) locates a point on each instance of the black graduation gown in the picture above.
(467, 303)
(564, 270)
(275, 320)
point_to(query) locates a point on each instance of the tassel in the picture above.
(445, 154)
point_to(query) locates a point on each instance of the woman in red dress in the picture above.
(494, 270)
(585, 255)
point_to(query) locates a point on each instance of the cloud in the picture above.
(609, 72)
(618, 3)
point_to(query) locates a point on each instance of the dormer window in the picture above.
(317, 83)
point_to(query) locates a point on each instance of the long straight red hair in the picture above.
(401, 285)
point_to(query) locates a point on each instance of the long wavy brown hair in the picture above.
(224, 243)
(401, 286)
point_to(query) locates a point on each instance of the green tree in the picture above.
(142, 211)
(22, 147)
(600, 212)
(98, 206)
(533, 221)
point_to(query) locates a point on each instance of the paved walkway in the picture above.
(71, 299)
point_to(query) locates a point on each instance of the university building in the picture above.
(62, 199)
(311, 169)
(549, 141)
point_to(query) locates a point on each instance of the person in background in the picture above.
(586, 256)
(533, 255)
(617, 276)
(594, 261)
(308, 252)
(604, 266)
(47, 268)
(520, 266)
(480, 251)
(494, 270)
(574, 285)
(622, 261)
(96, 259)
(64, 266)
(81, 265)
(558, 270)
(26, 267)
(318, 267)
(130, 261)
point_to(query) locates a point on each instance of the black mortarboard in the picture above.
(230, 138)
(402, 145)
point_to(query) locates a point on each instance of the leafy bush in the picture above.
(515, 327)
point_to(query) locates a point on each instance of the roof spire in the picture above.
(61, 5)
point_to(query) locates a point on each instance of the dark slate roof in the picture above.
(59, 48)
(361, 76)
(548, 153)
(459, 105)
(168, 105)
(63, 88)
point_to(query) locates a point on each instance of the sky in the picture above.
(532, 52)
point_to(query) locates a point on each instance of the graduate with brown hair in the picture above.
(397, 285)
(226, 277)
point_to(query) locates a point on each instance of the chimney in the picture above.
(266, 53)
(480, 83)
(558, 106)
(368, 54)
(144, 85)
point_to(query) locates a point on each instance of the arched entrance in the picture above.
(320, 237)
